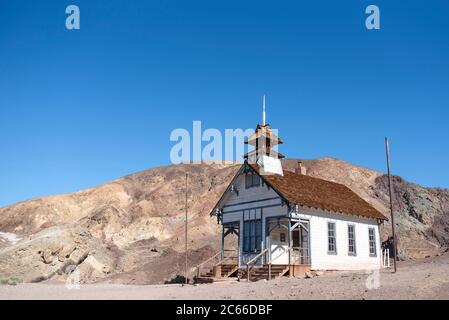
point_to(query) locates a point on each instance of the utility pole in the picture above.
(390, 185)
(186, 266)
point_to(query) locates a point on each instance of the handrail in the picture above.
(254, 259)
(257, 257)
(285, 251)
(204, 262)
(225, 259)
(271, 260)
(210, 259)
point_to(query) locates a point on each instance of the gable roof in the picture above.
(318, 193)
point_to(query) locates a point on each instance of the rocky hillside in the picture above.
(132, 230)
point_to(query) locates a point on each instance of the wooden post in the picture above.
(289, 243)
(390, 185)
(269, 271)
(216, 271)
(186, 266)
(388, 257)
(222, 241)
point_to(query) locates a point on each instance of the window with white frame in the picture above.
(351, 240)
(331, 238)
(372, 242)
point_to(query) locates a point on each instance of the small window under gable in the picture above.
(251, 180)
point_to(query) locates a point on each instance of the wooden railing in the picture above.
(253, 260)
(250, 264)
(385, 260)
(271, 261)
(198, 267)
(228, 258)
(301, 257)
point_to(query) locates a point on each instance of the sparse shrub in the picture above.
(177, 279)
(12, 281)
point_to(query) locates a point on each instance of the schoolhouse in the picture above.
(287, 223)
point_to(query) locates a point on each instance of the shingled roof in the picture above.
(318, 193)
(263, 131)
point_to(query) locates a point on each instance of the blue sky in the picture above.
(81, 108)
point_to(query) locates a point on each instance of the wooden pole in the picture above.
(222, 241)
(390, 186)
(388, 257)
(289, 244)
(186, 266)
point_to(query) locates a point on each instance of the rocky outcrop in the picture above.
(421, 217)
(54, 251)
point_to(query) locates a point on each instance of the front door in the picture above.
(300, 243)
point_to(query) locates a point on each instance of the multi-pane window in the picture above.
(331, 238)
(252, 235)
(351, 239)
(252, 180)
(372, 241)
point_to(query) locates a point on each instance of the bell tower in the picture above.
(263, 140)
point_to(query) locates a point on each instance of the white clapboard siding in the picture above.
(262, 197)
(322, 260)
(255, 197)
(270, 204)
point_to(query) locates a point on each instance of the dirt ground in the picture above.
(424, 279)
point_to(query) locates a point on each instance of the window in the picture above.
(351, 240)
(372, 242)
(295, 238)
(282, 237)
(331, 238)
(252, 235)
(252, 180)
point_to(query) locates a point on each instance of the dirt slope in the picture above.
(133, 227)
(419, 279)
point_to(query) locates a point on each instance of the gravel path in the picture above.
(425, 279)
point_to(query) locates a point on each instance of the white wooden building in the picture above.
(291, 222)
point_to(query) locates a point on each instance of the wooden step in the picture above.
(259, 273)
(214, 280)
(256, 273)
(202, 279)
(227, 271)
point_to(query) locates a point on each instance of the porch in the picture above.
(282, 248)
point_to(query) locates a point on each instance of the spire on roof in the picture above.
(264, 116)
(263, 139)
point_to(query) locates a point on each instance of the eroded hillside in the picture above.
(132, 229)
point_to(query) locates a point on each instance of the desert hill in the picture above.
(131, 230)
